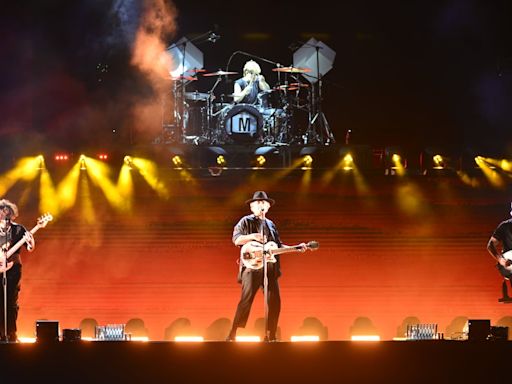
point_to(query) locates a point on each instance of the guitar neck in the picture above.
(17, 246)
(293, 248)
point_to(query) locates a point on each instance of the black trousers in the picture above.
(251, 281)
(13, 289)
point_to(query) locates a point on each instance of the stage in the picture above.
(281, 362)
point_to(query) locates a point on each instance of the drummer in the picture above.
(247, 88)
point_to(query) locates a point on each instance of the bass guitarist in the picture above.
(257, 228)
(499, 246)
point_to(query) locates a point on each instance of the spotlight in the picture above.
(103, 156)
(61, 157)
(214, 157)
(267, 156)
(348, 162)
(221, 161)
(41, 164)
(260, 161)
(395, 163)
(177, 162)
(307, 162)
(83, 166)
(439, 162)
(128, 161)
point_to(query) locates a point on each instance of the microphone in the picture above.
(213, 37)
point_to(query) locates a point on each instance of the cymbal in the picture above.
(188, 78)
(292, 69)
(196, 96)
(196, 70)
(300, 85)
(285, 88)
(220, 73)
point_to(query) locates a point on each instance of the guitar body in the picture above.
(7, 251)
(4, 264)
(252, 252)
(506, 271)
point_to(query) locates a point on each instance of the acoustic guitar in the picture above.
(251, 254)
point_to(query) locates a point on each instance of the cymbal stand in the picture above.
(319, 122)
(212, 133)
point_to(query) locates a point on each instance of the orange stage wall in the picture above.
(389, 249)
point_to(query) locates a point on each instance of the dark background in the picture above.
(406, 72)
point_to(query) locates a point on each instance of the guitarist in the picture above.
(499, 243)
(10, 234)
(246, 230)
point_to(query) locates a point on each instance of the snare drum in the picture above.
(242, 122)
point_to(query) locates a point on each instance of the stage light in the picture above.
(260, 161)
(61, 157)
(41, 163)
(139, 338)
(248, 339)
(83, 166)
(439, 162)
(128, 161)
(177, 161)
(348, 162)
(189, 339)
(397, 165)
(305, 338)
(307, 162)
(365, 338)
(27, 340)
(103, 156)
(221, 161)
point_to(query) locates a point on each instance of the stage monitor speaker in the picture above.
(499, 334)
(47, 331)
(71, 335)
(479, 330)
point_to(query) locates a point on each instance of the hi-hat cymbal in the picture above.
(196, 70)
(292, 69)
(220, 73)
(300, 85)
(188, 78)
(196, 96)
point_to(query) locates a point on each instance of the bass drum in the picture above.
(242, 123)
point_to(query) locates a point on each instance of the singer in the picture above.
(247, 88)
(10, 234)
(256, 227)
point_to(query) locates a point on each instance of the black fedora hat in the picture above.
(260, 195)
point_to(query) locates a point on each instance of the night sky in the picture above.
(406, 73)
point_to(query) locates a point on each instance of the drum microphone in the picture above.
(213, 37)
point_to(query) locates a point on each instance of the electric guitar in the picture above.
(252, 252)
(5, 265)
(506, 271)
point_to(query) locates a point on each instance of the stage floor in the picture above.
(281, 362)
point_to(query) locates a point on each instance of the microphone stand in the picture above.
(4, 286)
(265, 275)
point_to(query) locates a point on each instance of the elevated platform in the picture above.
(282, 362)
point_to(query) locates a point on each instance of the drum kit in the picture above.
(203, 118)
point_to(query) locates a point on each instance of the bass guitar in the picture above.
(507, 270)
(252, 253)
(5, 265)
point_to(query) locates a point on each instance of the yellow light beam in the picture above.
(27, 169)
(492, 176)
(149, 171)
